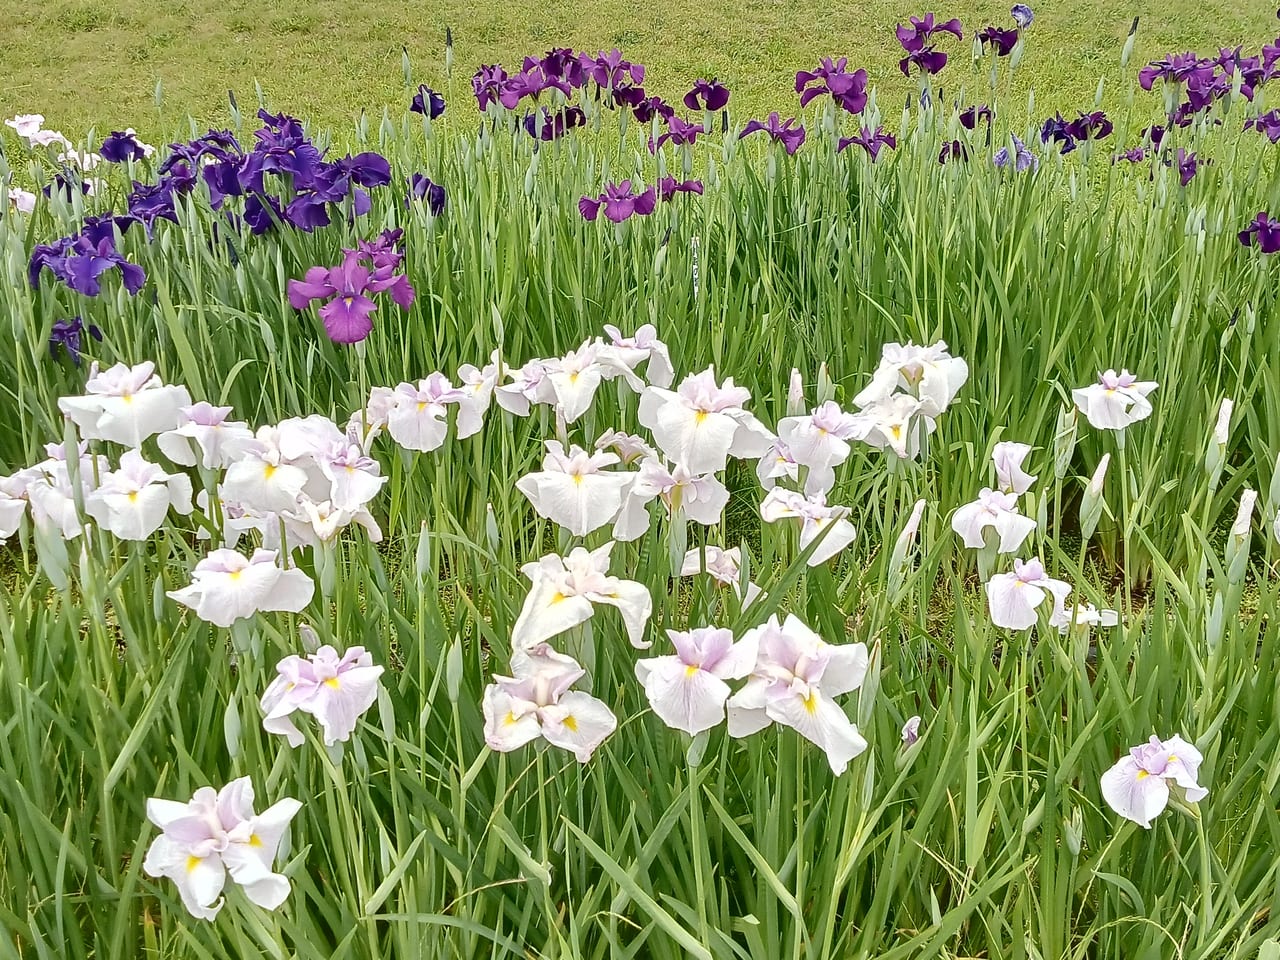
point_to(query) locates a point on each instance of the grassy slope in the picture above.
(82, 62)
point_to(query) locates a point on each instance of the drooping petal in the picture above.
(1134, 793)
(578, 723)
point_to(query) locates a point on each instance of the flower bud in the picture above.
(1093, 501)
(1237, 551)
(795, 394)
(1129, 43)
(1064, 441)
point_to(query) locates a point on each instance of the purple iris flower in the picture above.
(849, 90)
(1022, 15)
(668, 187)
(561, 63)
(530, 83)
(650, 107)
(779, 131)
(119, 147)
(79, 263)
(955, 150)
(1176, 69)
(97, 229)
(916, 36)
(347, 314)
(1022, 158)
(1090, 126)
(1057, 130)
(871, 142)
(367, 169)
(427, 102)
(619, 202)
(222, 177)
(422, 188)
(707, 95)
(65, 183)
(68, 335)
(306, 212)
(1268, 123)
(487, 84)
(929, 60)
(680, 132)
(610, 70)
(1154, 134)
(152, 202)
(1187, 166)
(1264, 231)
(262, 213)
(970, 116)
(1001, 41)
(545, 125)
(383, 254)
(219, 144)
(1134, 155)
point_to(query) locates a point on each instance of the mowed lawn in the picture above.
(97, 62)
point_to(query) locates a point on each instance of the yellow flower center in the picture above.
(192, 863)
(332, 683)
(269, 471)
(571, 724)
(811, 702)
(691, 669)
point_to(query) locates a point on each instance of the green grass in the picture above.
(97, 62)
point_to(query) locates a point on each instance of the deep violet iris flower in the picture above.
(668, 187)
(680, 132)
(707, 95)
(1000, 40)
(955, 150)
(427, 102)
(120, 147)
(1022, 15)
(1268, 123)
(916, 35)
(779, 131)
(1263, 231)
(619, 202)
(487, 84)
(849, 90)
(970, 116)
(547, 126)
(68, 335)
(871, 142)
(929, 60)
(422, 188)
(80, 263)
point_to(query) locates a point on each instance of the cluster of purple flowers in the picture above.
(917, 40)
(348, 288)
(621, 201)
(615, 82)
(1202, 81)
(1068, 134)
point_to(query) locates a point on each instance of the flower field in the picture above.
(553, 520)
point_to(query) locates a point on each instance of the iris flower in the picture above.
(334, 688)
(816, 518)
(216, 834)
(1014, 597)
(1022, 15)
(133, 500)
(416, 414)
(26, 125)
(67, 334)
(707, 95)
(427, 102)
(536, 702)
(80, 263)
(701, 424)
(996, 510)
(1268, 123)
(1115, 401)
(680, 132)
(227, 587)
(820, 441)
(723, 566)
(574, 490)
(125, 404)
(1138, 786)
(487, 85)
(796, 677)
(928, 373)
(643, 346)
(1263, 231)
(700, 498)
(1002, 41)
(1023, 159)
(915, 35)
(687, 691)
(971, 116)
(120, 147)
(848, 90)
(204, 435)
(564, 591)
(668, 187)
(780, 131)
(928, 60)
(1081, 618)
(620, 202)
(1008, 458)
(348, 313)
(871, 142)
(547, 126)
